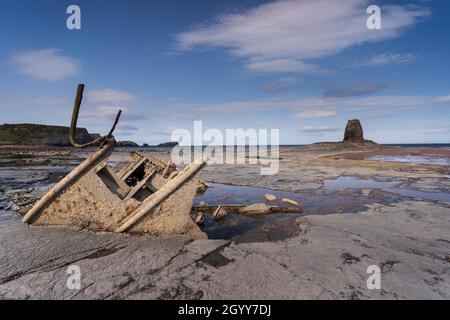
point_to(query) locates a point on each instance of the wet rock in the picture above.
(289, 201)
(255, 209)
(270, 197)
(200, 219)
(220, 213)
(15, 191)
(201, 186)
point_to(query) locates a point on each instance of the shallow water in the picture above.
(274, 226)
(425, 159)
(344, 194)
(353, 183)
(311, 203)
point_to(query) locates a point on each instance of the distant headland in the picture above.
(353, 138)
(29, 134)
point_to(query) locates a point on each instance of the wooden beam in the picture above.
(139, 185)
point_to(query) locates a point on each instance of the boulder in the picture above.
(201, 186)
(353, 131)
(270, 197)
(220, 213)
(255, 209)
(289, 201)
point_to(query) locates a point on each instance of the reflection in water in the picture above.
(343, 183)
(424, 159)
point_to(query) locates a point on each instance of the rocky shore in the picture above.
(405, 234)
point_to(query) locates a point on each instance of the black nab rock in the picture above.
(353, 131)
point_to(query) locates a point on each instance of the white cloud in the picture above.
(106, 103)
(311, 107)
(315, 114)
(435, 131)
(313, 104)
(280, 84)
(365, 103)
(109, 96)
(361, 88)
(282, 65)
(165, 131)
(319, 129)
(46, 64)
(127, 127)
(278, 36)
(444, 99)
(385, 59)
(110, 112)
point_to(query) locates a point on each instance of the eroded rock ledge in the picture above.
(327, 260)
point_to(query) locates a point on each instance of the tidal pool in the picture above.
(342, 195)
(353, 183)
(423, 159)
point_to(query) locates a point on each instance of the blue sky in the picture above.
(303, 67)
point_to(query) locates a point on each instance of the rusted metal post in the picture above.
(75, 112)
(73, 123)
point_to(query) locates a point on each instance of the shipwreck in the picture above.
(147, 195)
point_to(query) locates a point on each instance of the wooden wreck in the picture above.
(146, 195)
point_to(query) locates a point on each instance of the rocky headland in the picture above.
(43, 135)
(353, 139)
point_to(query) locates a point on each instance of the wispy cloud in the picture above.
(110, 112)
(109, 96)
(313, 107)
(280, 84)
(126, 130)
(46, 64)
(356, 89)
(386, 59)
(282, 65)
(444, 99)
(319, 129)
(313, 104)
(279, 36)
(127, 127)
(105, 103)
(315, 114)
(167, 132)
(435, 131)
